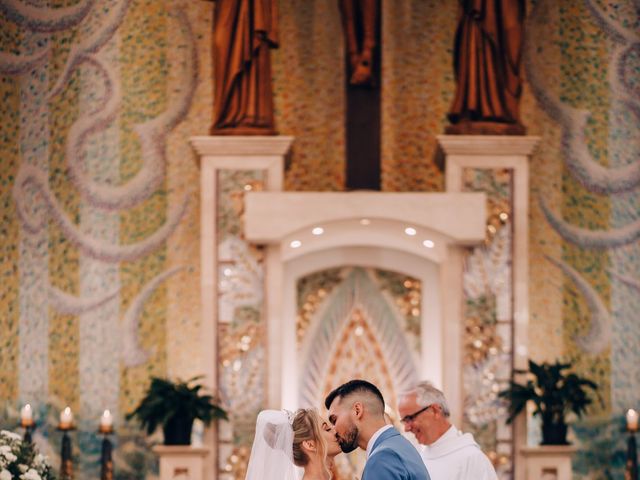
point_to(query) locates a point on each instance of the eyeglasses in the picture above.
(410, 418)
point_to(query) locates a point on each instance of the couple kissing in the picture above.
(302, 445)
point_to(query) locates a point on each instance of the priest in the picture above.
(447, 453)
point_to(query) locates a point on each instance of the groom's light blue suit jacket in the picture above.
(393, 457)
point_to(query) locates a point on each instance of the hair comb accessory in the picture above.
(290, 415)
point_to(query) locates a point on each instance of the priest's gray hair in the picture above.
(427, 394)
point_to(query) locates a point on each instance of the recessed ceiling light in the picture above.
(248, 187)
(365, 222)
(227, 272)
(428, 244)
(410, 231)
(295, 244)
(317, 231)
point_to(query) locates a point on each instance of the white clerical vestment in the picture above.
(456, 456)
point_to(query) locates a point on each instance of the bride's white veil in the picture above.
(272, 451)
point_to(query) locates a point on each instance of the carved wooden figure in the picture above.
(244, 32)
(359, 19)
(488, 50)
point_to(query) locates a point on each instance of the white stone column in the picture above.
(509, 152)
(217, 153)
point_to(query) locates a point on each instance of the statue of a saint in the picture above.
(244, 31)
(488, 49)
(359, 18)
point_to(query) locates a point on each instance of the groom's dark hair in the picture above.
(355, 386)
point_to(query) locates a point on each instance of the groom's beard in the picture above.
(349, 442)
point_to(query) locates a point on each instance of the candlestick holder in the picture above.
(66, 458)
(29, 426)
(106, 457)
(631, 465)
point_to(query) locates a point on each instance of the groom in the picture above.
(356, 410)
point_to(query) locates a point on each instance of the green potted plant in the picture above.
(174, 406)
(555, 393)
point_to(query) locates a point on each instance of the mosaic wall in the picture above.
(582, 64)
(308, 75)
(100, 285)
(488, 320)
(241, 330)
(99, 255)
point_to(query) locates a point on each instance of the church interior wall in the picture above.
(104, 292)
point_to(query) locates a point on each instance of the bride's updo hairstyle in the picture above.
(306, 427)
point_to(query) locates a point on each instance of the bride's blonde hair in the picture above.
(306, 426)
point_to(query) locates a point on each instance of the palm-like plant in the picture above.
(174, 406)
(554, 393)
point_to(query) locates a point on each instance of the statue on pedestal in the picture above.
(487, 59)
(244, 32)
(359, 18)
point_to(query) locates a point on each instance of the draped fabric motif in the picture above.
(488, 47)
(244, 33)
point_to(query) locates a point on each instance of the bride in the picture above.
(285, 441)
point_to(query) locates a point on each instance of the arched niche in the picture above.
(421, 235)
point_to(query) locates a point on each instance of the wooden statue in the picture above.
(244, 32)
(488, 50)
(359, 19)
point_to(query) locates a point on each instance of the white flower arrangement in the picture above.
(20, 461)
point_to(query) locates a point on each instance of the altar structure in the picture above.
(324, 269)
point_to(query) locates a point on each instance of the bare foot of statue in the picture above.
(362, 71)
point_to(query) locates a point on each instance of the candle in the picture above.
(26, 415)
(66, 418)
(106, 421)
(632, 420)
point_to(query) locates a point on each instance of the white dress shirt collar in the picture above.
(375, 437)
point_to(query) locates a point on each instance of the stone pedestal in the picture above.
(548, 462)
(181, 462)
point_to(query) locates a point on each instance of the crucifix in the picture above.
(361, 25)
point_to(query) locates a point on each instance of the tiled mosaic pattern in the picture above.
(308, 74)
(242, 373)
(417, 88)
(488, 319)
(86, 294)
(588, 44)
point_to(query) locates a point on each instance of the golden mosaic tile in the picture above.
(64, 335)
(143, 75)
(309, 89)
(9, 232)
(184, 345)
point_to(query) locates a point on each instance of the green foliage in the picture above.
(554, 392)
(166, 400)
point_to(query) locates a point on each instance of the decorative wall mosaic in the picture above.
(488, 320)
(581, 63)
(242, 335)
(97, 94)
(308, 71)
